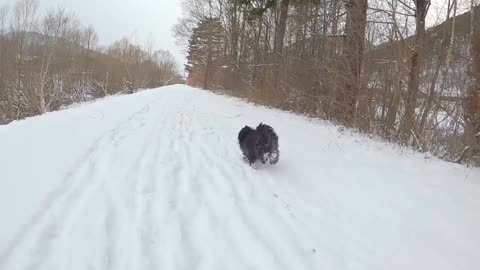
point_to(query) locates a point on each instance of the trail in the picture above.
(162, 185)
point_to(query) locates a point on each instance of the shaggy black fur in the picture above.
(259, 144)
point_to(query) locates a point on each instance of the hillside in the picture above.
(434, 36)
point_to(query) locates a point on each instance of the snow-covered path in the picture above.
(156, 180)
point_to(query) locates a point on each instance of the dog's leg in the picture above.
(273, 157)
(251, 162)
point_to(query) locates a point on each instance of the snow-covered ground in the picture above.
(156, 180)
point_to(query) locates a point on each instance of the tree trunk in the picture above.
(444, 56)
(234, 33)
(243, 40)
(256, 52)
(205, 78)
(334, 10)
(416, 65)
(353, 54)
(472, 17)
(472, 101)
(281, 27)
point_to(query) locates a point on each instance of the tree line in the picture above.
(367, 64)
(50, 61)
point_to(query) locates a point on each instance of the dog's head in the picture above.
(244, 132)
(263, 128)
(266, 133)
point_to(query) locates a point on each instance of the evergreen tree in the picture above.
(205, 50)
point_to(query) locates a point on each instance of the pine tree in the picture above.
(204, 50)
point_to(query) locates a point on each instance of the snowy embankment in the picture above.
(156, 180)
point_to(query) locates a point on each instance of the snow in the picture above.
(156, 180)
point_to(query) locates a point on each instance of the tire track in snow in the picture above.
(173, 209)
(206, 224)
(110, 240)
(48, 232)
(148, 189)
(146, 192)
(116, 136)
(69, 212)
(163, 176)
(123, 215)
(53, 219)
(117, 223)
(188, 197)
(132, 218)
(29, 229)
(219, 197)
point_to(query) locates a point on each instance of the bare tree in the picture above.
(167, 66)
(281, 27)
(55, 27)
(90, 39)
(149, 45)
(416, 64)
(472, 100)
(24, 13)
(444, 61)
(353, 53)
(5, 104)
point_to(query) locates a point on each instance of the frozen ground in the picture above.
(156, 180)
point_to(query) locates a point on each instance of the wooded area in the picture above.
(52, 60)
(369, 65)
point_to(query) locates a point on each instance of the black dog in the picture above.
(259, 144)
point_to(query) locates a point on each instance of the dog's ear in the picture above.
(244, 132)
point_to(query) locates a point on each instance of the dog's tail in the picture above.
(244, 132)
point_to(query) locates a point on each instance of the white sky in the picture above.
(438, 9)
